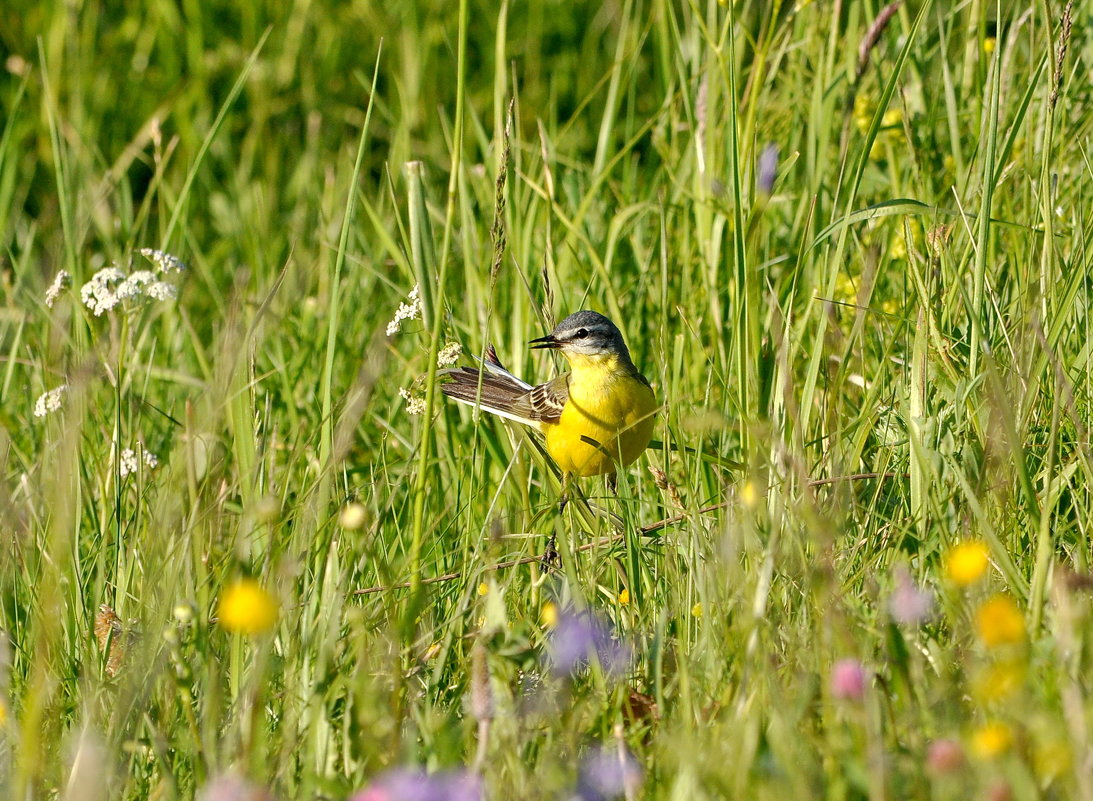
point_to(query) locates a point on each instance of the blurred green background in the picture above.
(879, 354)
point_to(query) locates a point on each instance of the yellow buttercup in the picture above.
(595, 418)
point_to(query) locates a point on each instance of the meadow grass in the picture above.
(848, 245)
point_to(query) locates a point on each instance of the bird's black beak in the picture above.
(547, 342)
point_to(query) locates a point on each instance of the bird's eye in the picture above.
(582, 333)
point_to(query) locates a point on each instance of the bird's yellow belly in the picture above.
(602, 429)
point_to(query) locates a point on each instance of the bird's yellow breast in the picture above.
(607, 419)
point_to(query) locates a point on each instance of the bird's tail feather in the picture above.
(493, 390)
(493, 365)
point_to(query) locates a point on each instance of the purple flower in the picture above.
(413, 784)
(848, 680)
(608, 772)
(768, 168)
(580, 637)
(908, 603)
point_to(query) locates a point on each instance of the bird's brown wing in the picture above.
(546, 401)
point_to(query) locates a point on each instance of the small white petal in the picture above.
(60, 282)
(127, 462)
(449, 354)
(49, 401)
(164, 261)
(161, 290)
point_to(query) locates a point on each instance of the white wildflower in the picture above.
(164, 261)
(128, 289)
(406, 311)
(141, 277)
(100, 293)
(449, 354)
(49, 401)
(61, 282)
(414, 405)
(128, 463)
(108, 275)
(110, 286)
(161, 290)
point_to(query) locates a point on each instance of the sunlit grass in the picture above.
(248, 547)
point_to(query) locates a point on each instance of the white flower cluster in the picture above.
(414, 405)
(449, 354)
(110, 286)
(49, 401)
(106, 289)
(406, 311)
(165, 262)
(129, 463)
(60, 283)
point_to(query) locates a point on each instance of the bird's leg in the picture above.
(565, 494)
(550, 554)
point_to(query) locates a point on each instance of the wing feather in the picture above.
(547, 400)
(501, 393)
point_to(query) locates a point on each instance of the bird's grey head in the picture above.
(587, 333)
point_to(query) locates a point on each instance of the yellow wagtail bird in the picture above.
(595, 418)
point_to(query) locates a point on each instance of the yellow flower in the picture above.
(696, 610)
(967, 563)
(749, 494)
(483, 588)
(864, 106)
(624, 597)
(999, 622)
(246, 608)
(989, 44)
(991, 739)
(548, 615)
(892, 117)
